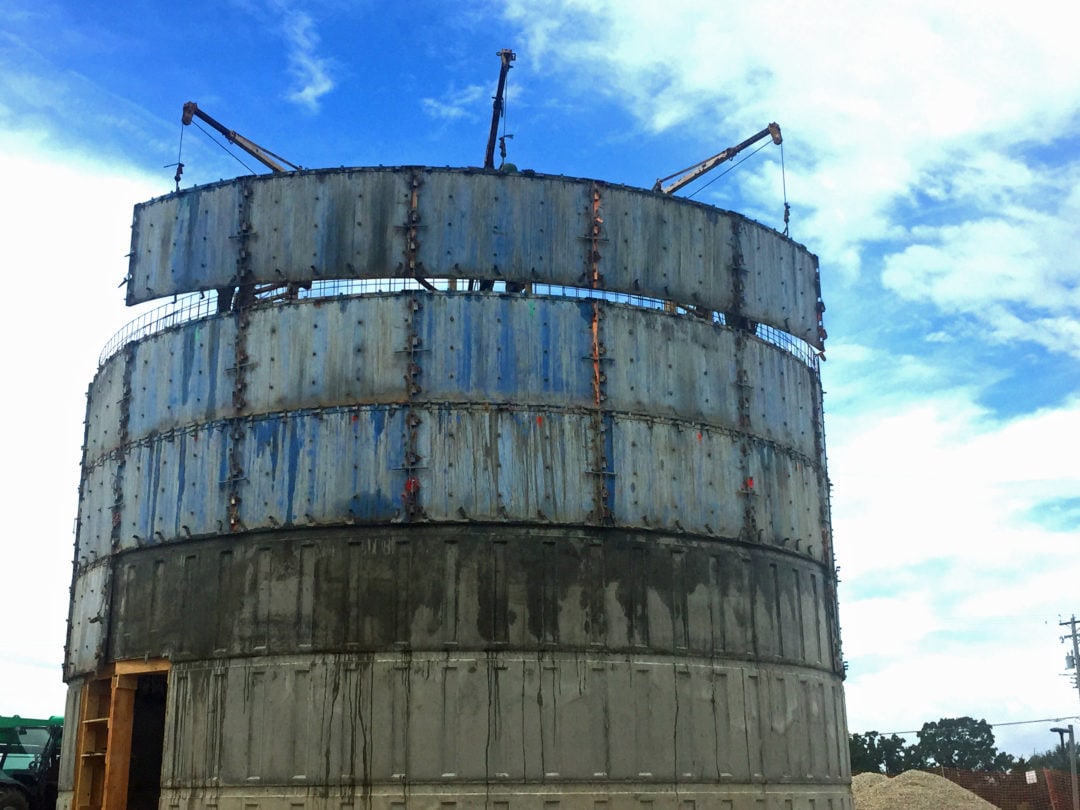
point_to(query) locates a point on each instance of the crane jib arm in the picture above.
(692, 173)
(264, 156)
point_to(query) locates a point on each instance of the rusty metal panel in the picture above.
(666, 247)
(676, 477)
(97, 497)
(89, 619)
(183, 377)
(329, 224)
(505, 349)
(309, 468)
(490, 225)
(782, 285)
(330, 353)
(668, 365)
(186, 242)
(104, 408)
(506, 465)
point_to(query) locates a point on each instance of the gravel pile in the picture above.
(913, 790)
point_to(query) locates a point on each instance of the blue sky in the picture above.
(931, 161)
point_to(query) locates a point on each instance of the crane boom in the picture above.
(506, 56)
(264, 156)
(692, 173)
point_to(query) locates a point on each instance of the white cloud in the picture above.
(311, 73)
(457, 103)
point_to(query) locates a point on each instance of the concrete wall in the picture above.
(462, 548)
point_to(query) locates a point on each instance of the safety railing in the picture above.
(196, 306)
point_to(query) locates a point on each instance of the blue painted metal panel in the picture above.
(521, 465)
(505, 349)
(174, 487)
(323, 353)
(485, 225)
(183, 377)
(89, 614)
(782, 283)
(335, 468)
(666, 248)
(786, 500)
(329, 224)
(783, 397)
(669, 365)
(186, 241)
(97, 495)
(669, 476)
(104, 409)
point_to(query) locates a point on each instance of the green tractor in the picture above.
(29, 762)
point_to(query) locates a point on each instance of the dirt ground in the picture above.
(913, 790)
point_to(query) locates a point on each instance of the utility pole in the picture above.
(1076, 648)
(1072, 752)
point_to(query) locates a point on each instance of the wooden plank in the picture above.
(89, 766)
(141, 666)
(118, 752)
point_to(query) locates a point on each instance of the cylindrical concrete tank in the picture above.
(566, 547)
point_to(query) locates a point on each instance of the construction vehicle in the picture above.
(692, 173)
(29, 762)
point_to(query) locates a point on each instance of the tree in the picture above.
(1056, 759)
(874, 753)
(951, 742)
(960, 742)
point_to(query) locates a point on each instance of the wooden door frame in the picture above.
(112, 764)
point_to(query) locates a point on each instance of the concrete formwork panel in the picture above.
(669, 365)
(98, 505)
(89, 622)
(447, 223)
(172, 487)
(344, 351)
(181, 378)
(327, 224)
(349, 465)
(504, 349)
(777, 278)
(309, 414)
(105, 409)
(487, 225)
(188, 241)
(681, 252)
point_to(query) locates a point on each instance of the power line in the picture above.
(995, 725)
